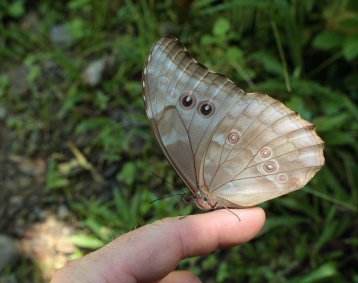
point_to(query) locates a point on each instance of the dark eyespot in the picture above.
(206, 108)
(187, 100)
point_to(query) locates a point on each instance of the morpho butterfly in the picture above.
(232, 149)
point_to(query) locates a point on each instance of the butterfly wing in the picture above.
(276, 152)
(239, 149)
(169, 75)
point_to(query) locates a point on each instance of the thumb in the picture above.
(179, 277)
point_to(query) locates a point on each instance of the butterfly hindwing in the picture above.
(277, 152)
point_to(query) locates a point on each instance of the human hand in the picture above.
(152, 252)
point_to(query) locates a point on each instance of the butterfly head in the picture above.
(201, 200)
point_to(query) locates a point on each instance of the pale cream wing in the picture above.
(260, 150)
(237, 149)
(170, 76)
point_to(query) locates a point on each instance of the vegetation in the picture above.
(98, 146)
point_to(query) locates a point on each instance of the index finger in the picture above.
(152, 251)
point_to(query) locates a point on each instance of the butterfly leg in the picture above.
(228, 209)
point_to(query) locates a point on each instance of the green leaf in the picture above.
(223, 272)
(86, 241)
(35, 72)
(269, 62)
(350, 47)
(4, 83)
(209, 263)
(80, 5)
(328, 39)
(207, 40)
(327, 123)
(79, 28)
(221, 27)
(325, 271)
(349, 22)
(74, 96)
(101, 100)
(54, 180)
(283, 221)
(133, 87)
(101, 231)
(336, 138)
(16, 9)
(128, 173)
(234, 53)
(296, 103)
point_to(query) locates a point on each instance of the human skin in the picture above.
(152, 252)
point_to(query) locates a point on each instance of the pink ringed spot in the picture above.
(265, 152)
(282, 178)
(233, 137)
(270, 166)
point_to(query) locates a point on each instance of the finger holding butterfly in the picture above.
(152, 252)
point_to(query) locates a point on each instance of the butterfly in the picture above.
(232, 149)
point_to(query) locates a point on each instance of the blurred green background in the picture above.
(76, 146)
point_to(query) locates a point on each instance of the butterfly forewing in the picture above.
(237, 149)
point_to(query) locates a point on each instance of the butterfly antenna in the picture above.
(166, 197)
(159, 177)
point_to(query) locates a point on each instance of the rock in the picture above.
(96, 71)
(9, 279)
(18, 80)
(53, 72)
(61, 34)
(3, 112)
(9, 252)
(31, 23)
(30, 167)
(48, 244)
(62, 212)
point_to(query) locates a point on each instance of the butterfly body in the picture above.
(231, 148)
(201, 200)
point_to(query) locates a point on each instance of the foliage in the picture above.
(302, 52)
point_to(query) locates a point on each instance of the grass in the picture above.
(303, 53)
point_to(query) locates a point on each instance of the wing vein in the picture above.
(147, 90)
(266, 175)
(196, 85)
(223, 146)
(290, 132)
(236, 179)
(167, 52)
(191, 148)
(243, 134)
(287, 115)
(176, 68)
(277, 156)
